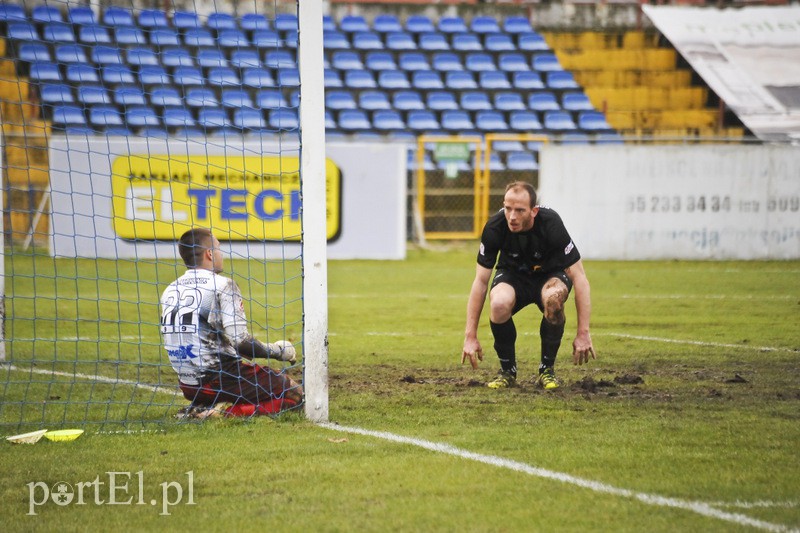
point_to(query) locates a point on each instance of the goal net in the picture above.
(123, 127)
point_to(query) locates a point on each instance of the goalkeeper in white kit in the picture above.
(205, 333)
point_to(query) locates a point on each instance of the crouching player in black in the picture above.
(538, 263)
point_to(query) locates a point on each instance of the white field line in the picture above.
(701, 508)
(762, 504)
(699, 343)
(89, 377)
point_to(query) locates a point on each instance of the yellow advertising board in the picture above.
(158, 197)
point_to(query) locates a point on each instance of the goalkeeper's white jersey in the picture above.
(202, 323)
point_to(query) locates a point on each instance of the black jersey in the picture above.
(545, 248)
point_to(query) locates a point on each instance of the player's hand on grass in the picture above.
(582, 349)
(473, 350)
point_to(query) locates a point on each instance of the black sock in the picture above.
(505, 338)
(551, 335)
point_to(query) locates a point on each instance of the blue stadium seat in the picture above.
(177, 57)
(32, 52)
(576, 101)
(373, 101)
(574, 138)
(484, 24)
(71, 53)
(78, 131)
(456, 121)
(56, 93)
(290, 77)
(223, 77)
(221, 21)
(107, 55)
(250, 119)
(188, 76)
(129, 35)
(213, 118)
(162, 37)
(155, 75)
(460, 81)
(427, 164)
(338, 100)
(201, 97)
(479, 62)
(543, 101)
(197, 37)
(141, 116)
(118, 131)
(532, 42)
(81, 15)
(446, 62)
(493, 80)
(22, 31)
(9, 12)
(118, 16)
(153, 18)
(527, 80)
(353, 24)
(42, 14)
(593, 121)
(561, 79)
(91, 95)
(422, 120)
(346, 60)
(377, 61)
(82, 73)
(102, 116)
(491, 121)
(433, 42)
(452, 24)
(58, 32)
(285, 119)
(354, 120)
(330, 122)
(521, 161)
(117, 74)
(328, 24)
(270, 99)
(166, 97)
(253, 22)
(332, 79)
(475, 101)
(507, 146)
(335, 40)
(500, 42)
(129, 95)
(154, 132)
(233, 38)
(525, 121)
(277, 59)
(236, 98)
(411, 61)
(175, 117)
(509, 101)
(400, 41)
(286, 22)
(67, 115)
(419, 24)
(186, 20)
(387, 120)
(386, 24)
(247, 58)
(512, 62)
(359, 79)
(441, 101)
(407, 101)
(393, 80)
(558, 121)
(426, 80)
(211, 58)
(495, 163)
(466, 42)
(517, 24)
(257, 78)
(546, 62)
(44, 71)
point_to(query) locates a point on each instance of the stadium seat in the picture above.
(141, 116)
(423, 120)
(338, 100)
(532, 42)
(162, 37)
(270, 99)
(335, 40)
(222, 77)
(67, 115)
(117, 74)
(332, 79)
(441, 101)
(491, 121)
(277, 59)
(456, 121)
(452, 24)
(128, 35)
(475, 101)
(32, 52)
(353, 24)
(81, 15)
(377, 61)
(107, 55)
(387, 120)
(509, 102)
(290, 77)
(328, 24)
(58, 32)
(153, 18)
(211, 57)
(500, 42)
(354, 120)
(446, 62)
(198, 37)
(129, 95)
(525, 121)
(427, 164)
(154, 132)
(102, 116)
(558, 121)
(290, 40)
(177, 57)
(286, 22)
(479, 62)
(493, 80)
(411, 61)
(400, 41)
(155, 75)
(561, 80)
(459, 81)
(10, 12)
(45, 71)
(419, 24)
(257, 78)
(285, 119)
(178, 117)
(593, 121)
(247, 58)
(236, 98)
(346, 60)
(576, 101)
(166, 97)
(386, 24)
(42, 14)
(517, 24)
(212, 118)
(22, 31)
(93, 95)
(233, 38)
(56, 93)
(433, 42)
(118, 16)
(393, 80)
(527, 80)
(574, 138)
(359, 79)
(512, 62)
(407, 101)
(546, 62)
(201, 97)
(188, 76)
(495, 163)
(426, 80)
(81, 73)
(250, 119)
(507, 146)
(373, 101)
(521, 161)
(221, 21)
(141, 57)
(71, 53)
(543, 101)
(484, 24)
(186, 20)
(466, 42)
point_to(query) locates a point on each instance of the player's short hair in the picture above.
(192, 245)
(525, 186)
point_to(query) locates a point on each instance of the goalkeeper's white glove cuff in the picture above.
(284, 351)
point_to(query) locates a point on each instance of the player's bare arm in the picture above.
(477, 297)
(582, 348)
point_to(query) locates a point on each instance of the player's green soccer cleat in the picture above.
(504, 380)
(547, 379)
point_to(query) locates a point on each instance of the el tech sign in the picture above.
(158, 197)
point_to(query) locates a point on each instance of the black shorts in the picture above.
(528, 287)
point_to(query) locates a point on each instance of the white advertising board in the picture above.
(133, 198)
(676, 202)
